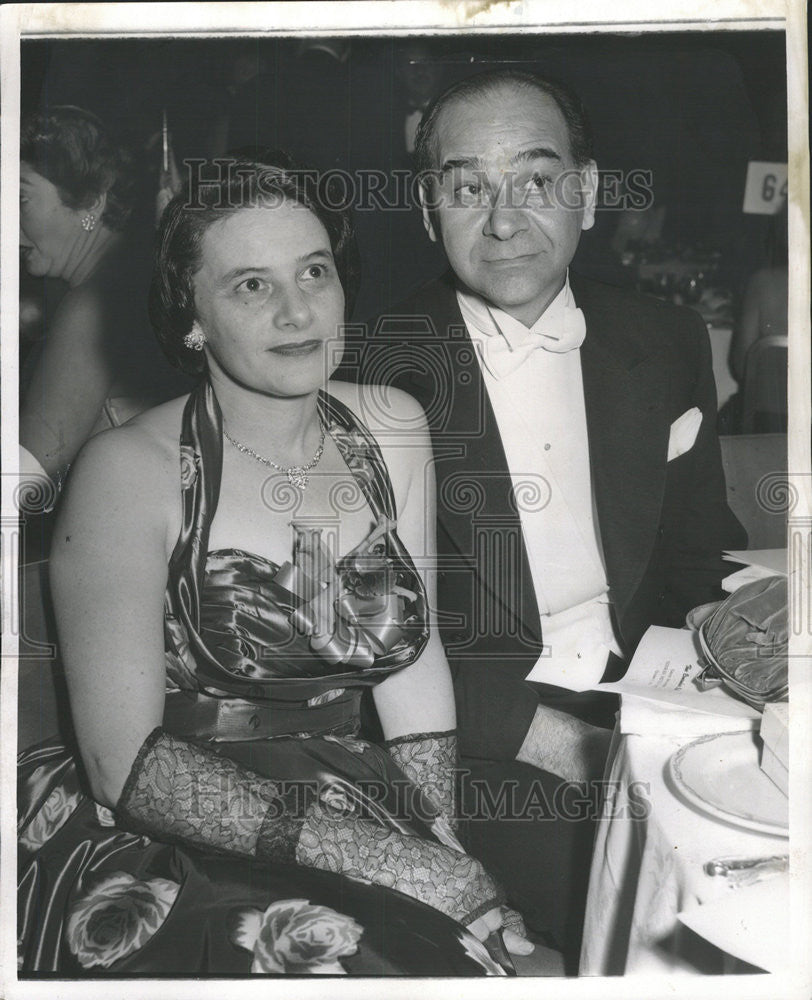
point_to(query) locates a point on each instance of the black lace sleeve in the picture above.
(180, 792)
(429, 760)
(454, 883)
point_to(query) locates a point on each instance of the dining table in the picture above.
(652, 907)
(690, 866)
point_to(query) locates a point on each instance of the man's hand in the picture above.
(565, 746)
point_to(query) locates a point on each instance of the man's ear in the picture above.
(426, 207)
(589, 192)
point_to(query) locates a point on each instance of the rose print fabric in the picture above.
(185, 793)
(295, 936)
(264, 679)
(117, 916)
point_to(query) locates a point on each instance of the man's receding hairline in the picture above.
(491, 88)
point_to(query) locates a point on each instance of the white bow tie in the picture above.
(508, 343)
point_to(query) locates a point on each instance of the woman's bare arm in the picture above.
(419, 698)
(70, 383)
(108, 576)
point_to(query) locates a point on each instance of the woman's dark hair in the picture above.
(568, 102)
(240, 183)
(72, 149)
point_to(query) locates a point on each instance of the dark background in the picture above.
(691, 107)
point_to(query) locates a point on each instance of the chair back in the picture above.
(757, 486)
(765, 381)
(42, 705)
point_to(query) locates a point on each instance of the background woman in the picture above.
(765, 303)
(97, 363)
(230, 570)
(764, 314)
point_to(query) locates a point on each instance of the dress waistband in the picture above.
(197, 714)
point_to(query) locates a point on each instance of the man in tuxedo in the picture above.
(580, 493)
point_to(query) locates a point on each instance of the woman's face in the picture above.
(269, 300)
(49, 230)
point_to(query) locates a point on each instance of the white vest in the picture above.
(540, 412)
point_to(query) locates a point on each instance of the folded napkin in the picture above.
(646, 717)
(758, 565)
(751, 923)
(730, 584)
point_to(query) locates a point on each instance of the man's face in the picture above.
(510, 203)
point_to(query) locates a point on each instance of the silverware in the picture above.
(744, 870)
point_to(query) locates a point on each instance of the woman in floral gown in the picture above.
(229, 571)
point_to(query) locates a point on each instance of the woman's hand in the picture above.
(511, 925)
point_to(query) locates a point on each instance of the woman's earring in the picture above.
(194, 339)
(89, 222)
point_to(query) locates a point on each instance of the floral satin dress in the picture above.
(250, 677)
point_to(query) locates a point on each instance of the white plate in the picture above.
(720, 776)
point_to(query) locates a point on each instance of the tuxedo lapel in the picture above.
(626, 392)
(626, 399)
(476, 509)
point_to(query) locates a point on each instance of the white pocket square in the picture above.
(683, 433)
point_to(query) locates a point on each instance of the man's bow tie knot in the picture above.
(507, 343)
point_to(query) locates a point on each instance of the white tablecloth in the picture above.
(648, 867)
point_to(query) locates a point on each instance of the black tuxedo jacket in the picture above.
(663, 525)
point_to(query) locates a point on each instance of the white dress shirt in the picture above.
(533, 380)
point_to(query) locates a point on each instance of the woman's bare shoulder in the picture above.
(161, 423)
(140, 459)
(382, 408)
(165, 415)
(398, 423)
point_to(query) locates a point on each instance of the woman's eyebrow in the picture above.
(323, 252)
(243, 269)
(238, 272)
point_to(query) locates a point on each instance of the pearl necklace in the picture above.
(297, 474)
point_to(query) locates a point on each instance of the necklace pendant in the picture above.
(297, 476)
